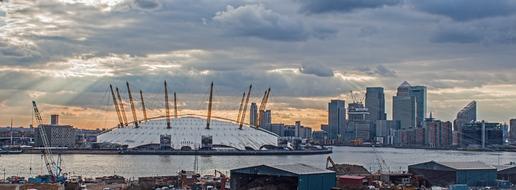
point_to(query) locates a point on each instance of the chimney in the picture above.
(54, 119)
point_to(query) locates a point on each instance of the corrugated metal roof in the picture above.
(504, 167)
(476, 165)
(301, 169)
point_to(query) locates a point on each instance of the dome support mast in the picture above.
(122, 109)
(133, 109)
(245, 107)
(210, 101)
(115, 102)
(167, 107)
(143, 106)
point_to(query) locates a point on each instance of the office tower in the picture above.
(468, 114)
(375, 103)
(357, 112)
(419, 92)
(481, 134)
(404, 107)
(336, 118)
(512, 131)
(253, 114)
(266, 119)
(359, 127)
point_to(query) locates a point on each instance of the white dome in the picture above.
(187, 131)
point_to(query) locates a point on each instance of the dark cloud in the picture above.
(318, 6)
(68, 53)
(317, 70)
(466, 10)
(147, 4)
(378, 70)
(258, 21)
(479, 31)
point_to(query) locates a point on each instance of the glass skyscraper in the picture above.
(375, 103)
(336, 118)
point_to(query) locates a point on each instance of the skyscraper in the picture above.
(253, 114)
(375, 103)
(336, 118)
(468, 114)
(267, 118)
(404, 107)
(512, 131)
(419, 92)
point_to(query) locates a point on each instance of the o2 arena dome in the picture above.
(188, 132)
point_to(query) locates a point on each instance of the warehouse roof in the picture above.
(287, 170)
(476, 165)
(301, 169)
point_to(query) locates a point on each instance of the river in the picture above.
(152, 165)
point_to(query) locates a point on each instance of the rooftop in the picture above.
(301, 169)
(476, 165)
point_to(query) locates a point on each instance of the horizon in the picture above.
(64, 54)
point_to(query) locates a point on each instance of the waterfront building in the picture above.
(375, 103)
(253, 114)
(359, 125)
(512, 131)
(420, 94)
(16, 136)
(266, 118)
(320, 137)
(481, 134)
(437, 133)
(56, 134)
(446, 134)
(404, 107)
(301, 131)
(468, 114)
(475, 174)
(358, 131)
(294, 176)
(385, 131)
(336, 119)
(357, 112)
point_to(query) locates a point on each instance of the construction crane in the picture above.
(242, 117)
(167, 107)
(53, 168)
(262, 108)
(121, 104)
(380, 161)
(133, 109)
(117, 109)
(223, 179)
(240, 109)
(143, 106)
(209, 107)
(328, 162)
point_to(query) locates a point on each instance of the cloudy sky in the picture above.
(65, 53)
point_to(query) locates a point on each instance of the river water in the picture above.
(153, 165)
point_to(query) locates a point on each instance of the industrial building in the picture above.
(285, 177)
(449, 173)
(507, 172)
